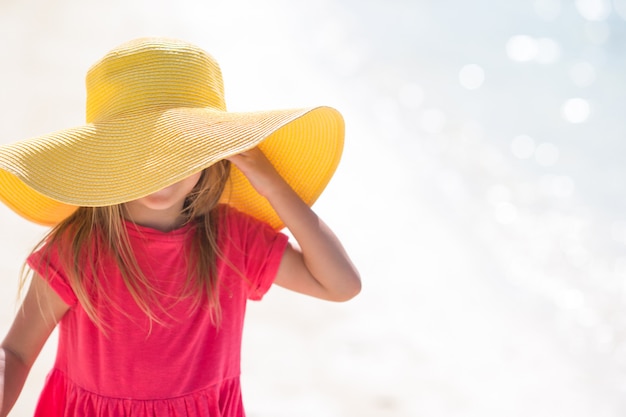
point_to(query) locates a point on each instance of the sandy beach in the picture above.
(481, 192)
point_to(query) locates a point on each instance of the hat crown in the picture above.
(153, 73)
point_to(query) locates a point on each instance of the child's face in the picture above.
(165, 204)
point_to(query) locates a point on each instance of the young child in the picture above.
(165, 210)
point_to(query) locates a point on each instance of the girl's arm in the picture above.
(320, 267)
(41, 310)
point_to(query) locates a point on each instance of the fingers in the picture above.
(248, 159)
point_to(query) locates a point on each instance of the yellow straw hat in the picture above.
(155, 115)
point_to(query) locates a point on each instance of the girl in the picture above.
(165, 210)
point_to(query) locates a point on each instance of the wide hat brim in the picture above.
(114, 161)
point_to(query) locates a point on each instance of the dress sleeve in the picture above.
(46, 263)
(256, 250)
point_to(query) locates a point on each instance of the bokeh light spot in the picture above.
(471, 76)
(593, 9)
(521, 48)
(576, 110)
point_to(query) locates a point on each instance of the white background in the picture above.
(481, 191)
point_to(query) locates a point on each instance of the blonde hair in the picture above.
(75, 242)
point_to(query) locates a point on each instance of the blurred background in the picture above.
(481, 192)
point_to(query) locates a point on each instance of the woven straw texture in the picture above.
(156, 114)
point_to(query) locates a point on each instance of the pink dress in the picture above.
(183, 367)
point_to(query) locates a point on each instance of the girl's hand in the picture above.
(259, 171)
(320, 267)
